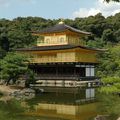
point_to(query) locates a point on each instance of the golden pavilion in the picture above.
(61, 59)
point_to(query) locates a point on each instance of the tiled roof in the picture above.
(61, 28)
(56, 47)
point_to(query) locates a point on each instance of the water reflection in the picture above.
(13, 110)
(77, 106)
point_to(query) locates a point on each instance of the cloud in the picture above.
(84, 12)
(99, 7)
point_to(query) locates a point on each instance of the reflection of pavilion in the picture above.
(66, 109)
(85, 95)
(60, 58)
(64, 106)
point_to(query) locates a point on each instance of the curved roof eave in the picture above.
(60, 28)
(58, 47)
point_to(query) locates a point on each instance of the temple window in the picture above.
(47, 40)
(61, 40)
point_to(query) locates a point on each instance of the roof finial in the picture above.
(61, 21)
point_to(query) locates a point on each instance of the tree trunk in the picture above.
(7, 82)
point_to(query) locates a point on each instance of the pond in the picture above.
(52, 106)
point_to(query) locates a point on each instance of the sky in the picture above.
(54, 9)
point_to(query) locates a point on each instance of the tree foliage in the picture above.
(109, 62)
(12, 66)
(111, 85)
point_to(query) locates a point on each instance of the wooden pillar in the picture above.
(56, 70)
(74, 71)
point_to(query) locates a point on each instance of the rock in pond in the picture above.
(23, 94)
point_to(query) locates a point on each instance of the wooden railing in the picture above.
(64, 77)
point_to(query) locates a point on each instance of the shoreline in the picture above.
(17, 92)
(6, 91)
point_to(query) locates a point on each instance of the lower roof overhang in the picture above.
(59, 47)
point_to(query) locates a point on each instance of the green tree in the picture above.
(4, 42)
(19, 35)
(30, 78)
(109, 62)
(2, 53)
(111, 85)
(12, 66)
(110, 70)
(108, 35)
